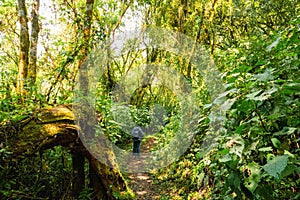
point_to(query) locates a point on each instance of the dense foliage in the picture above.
(255, 46)
(257, 155)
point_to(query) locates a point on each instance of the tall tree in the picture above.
(24, 47)
(33, 41)
(77, 157)
(28, 47)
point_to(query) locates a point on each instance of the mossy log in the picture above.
(51, 127)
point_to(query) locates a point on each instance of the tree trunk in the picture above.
(96, 184)
(78, 173)
(55, 126)
(24, 48)
(33, 41)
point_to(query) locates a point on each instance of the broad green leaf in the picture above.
(222, 97)
(255, 176)
(234, 180)
(262, 96)
(266, 76)
(276, 115)
(292, 88)
(219, 100)
(265, 191)
(224, 151)
(227, 104)
(297, 170)
(225, 158)
(237, 146)
(268, 93)
(206, 106)
(286, 131)
(270, 156)
(200, 177)
(252, 146)
(276, 166)
(253, 95)
(289, 154)
(288, 170)
(276, 142)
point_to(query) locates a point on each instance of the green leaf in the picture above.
(255, 176)
(253, 95)
(276, 142)
(265, 149)
(265, 191)
(206, 106)
(286, 131)
(225, 158)
(276, 166)
(200, 177)
(262, 96)
(245, 107)
(291, 88)
(237, 146)
(288, 170)
(222, 97)
(240, 129)
(289, 154)
(234, 180)
(274, 44)
(227, 104)
(266, 76)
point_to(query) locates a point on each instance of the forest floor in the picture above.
(142, 183)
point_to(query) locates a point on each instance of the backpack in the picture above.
(137, 133)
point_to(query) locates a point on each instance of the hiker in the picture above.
(137, 135)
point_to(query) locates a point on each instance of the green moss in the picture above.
(127, 195)
(56, 114)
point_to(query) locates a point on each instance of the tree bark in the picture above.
(35, 29)
(24, 48)
(78, 173)
(83, 76)
(96, 184)
(55, 126)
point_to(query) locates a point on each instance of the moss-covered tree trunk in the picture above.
(55, 126)
(35, 29)
(24, 47)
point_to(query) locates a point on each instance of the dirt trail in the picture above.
(141, 183)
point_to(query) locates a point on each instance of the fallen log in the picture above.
(55, 126)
